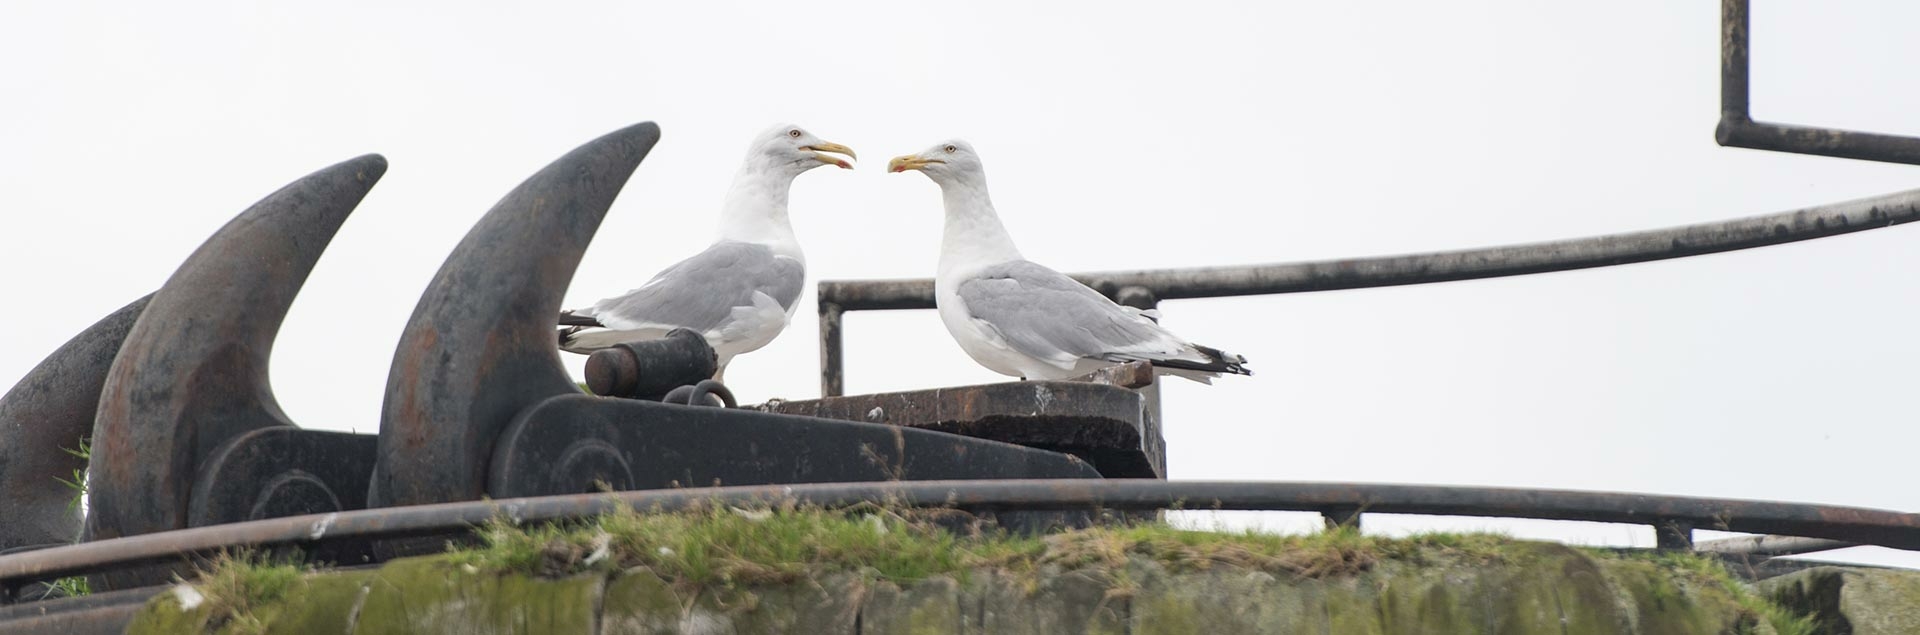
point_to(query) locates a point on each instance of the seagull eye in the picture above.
(793, 133)
(951, 149)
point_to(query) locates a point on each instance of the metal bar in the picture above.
(1829, 142)
(833, 382)
(1770, 545)
(1809, 223)
(1853, 524)
(1733, 62)
(1673, 535)
(1356, 273)
(1737, 128)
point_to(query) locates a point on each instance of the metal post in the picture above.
(1673, 534)
(832, 379)
(1143, 298)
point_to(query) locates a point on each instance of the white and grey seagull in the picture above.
(1019, 318)
(741, 291)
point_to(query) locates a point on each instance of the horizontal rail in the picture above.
(1852, 524)
(836, 297)
(1808, 223)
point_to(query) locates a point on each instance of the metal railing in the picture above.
(1738, 129)
(1673, 517)
(1150, 286)
(1146, 288)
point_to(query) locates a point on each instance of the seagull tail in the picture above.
(1217, 362)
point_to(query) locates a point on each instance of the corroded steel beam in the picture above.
(50, 411)
(191, 376)
(578, 442)
(1105, 425)
(480, 346)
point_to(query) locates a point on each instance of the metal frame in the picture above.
(1130, 287)
(1738, 129)
(1673, 517)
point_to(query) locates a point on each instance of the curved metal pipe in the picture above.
(480, 345)
(192, 373)
(50, 410)
(1853, 524)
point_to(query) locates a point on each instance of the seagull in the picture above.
(1019, 318)
(741, 291)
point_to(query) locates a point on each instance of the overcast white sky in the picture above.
(1117, 135)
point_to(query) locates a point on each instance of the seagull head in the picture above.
(944, 162)
(794, 149)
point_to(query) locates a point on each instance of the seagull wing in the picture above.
(703, 292)
(1046, 315)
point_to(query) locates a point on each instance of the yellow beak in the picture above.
(821, 149)
(909, 162)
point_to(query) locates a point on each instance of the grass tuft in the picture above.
(78, 483)
(1711, 571)
(729, 546)
(234, 587)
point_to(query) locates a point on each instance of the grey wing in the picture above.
(701, 292)
(1045, 314)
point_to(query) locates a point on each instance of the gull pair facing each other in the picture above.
(1011, 315)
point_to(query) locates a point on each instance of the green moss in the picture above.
(1666, 575)
(730, 546)
(234, 594)
(792, 569)
(433, 594)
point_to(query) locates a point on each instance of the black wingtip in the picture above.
(1218, 361)
(567, 318)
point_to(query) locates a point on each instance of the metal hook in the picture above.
(51, 410)
(192, 373)
(480, 345)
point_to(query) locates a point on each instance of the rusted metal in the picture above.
(704, 393)
(1851, 524)
(581, 443)
(480, 347)
(43, 417)
(832, 372)
(1104, 425)
(1128, 375)
(1738, 129)
(191, 375)
(651, 369)
(1673, 534)
(297, 472)
(102, 613)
